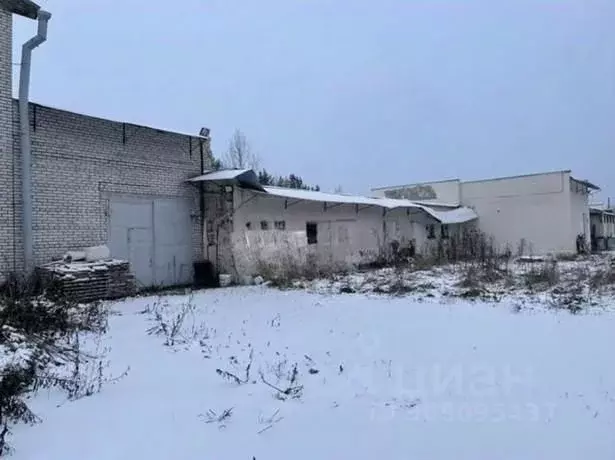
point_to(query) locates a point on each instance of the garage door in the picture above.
(154, 235)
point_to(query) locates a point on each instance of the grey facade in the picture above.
(97, 181)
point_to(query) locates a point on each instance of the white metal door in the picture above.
(131, 238)
(173, 242)
(155, 236)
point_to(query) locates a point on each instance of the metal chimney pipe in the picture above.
(25, 141)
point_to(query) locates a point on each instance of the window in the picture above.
(444, 232)
(279, 225)
(431, 231)
(264, 225)
(311, 230)
(248, 225)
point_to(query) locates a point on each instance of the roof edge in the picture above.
(110, 120)
(25, 8)
(587, 183)
(390, 187)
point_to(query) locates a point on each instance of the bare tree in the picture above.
(239, 154)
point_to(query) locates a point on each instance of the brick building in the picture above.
(97, 181)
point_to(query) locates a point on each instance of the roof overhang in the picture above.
(586, 183)
(454, 216)
(25, 8)
(599, 211)
(245, 178)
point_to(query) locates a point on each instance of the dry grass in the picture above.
(283, 271)
(603, 279)
(543, 275)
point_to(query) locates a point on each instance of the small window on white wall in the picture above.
(279, 225)
(311, 230)
(431, 231)
(444, 233)
(264, 225)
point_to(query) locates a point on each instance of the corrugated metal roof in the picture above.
(225, 174)
(243, 177)
(309, 195)
(247, 178)
(434, 203)
(455, 216)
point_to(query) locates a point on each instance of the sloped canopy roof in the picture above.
(244, 177)
(586, 183)
(25, 8)
(247, 178)
(454, 216)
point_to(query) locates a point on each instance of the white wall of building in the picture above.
(534, 208)
(344, 236)
(544, 211)
(442, 192)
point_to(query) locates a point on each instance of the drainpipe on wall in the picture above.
(25, 141)
(202, 204)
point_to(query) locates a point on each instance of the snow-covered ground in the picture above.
(582, 284)
(377, 377)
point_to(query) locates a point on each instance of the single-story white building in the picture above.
(530, 214)
(248, 224)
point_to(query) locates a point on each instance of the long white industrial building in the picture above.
(533, 214)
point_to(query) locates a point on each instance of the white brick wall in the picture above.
(79, 161)
(6, 215)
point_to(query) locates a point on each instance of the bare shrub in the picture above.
(424, 262)
(571, 299)
(172, 328)
(566, 256)
(15, 383)
(283, 271)
(280, 273)
(269, 421)
(481, 263)
(89, 372)
(542, 275)
(471, 245)
(293, 389)
(37, 323)
(221, 419)
(603, 278)
(579, 274)
(471, 277)
(232, 377)
(522, 247)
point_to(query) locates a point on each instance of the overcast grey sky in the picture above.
(352, 92)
